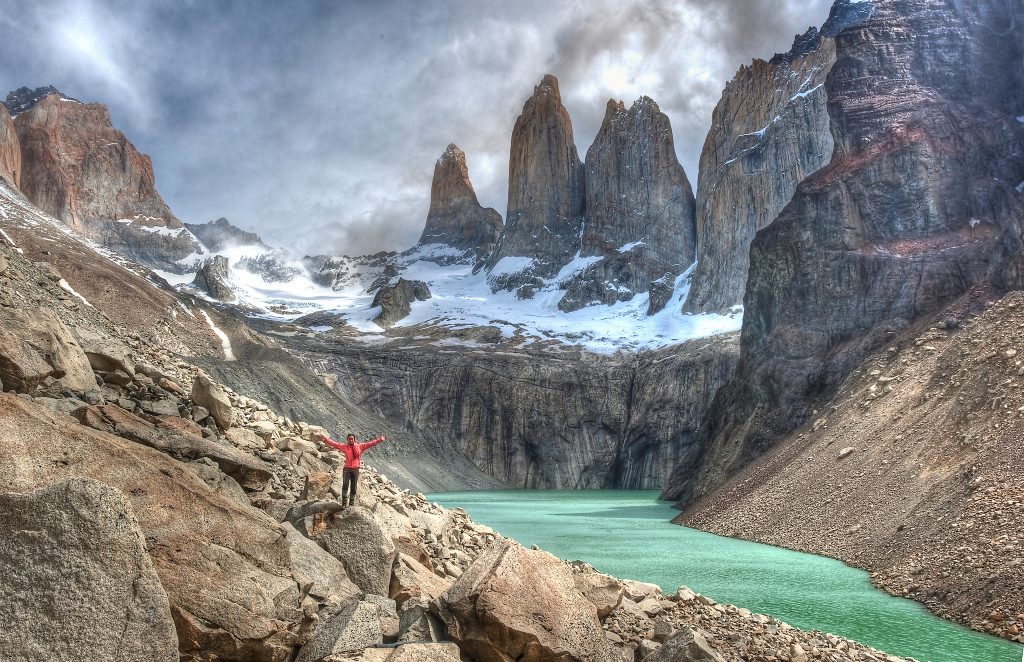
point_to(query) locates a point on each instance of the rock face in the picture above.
(10, 150)
(541, 419)
(77, 578)
(395, 301)
(545, 193)
(639, 208)
(456, 217)
(214, 278)
(917, 205)
(220, 234)
(768, 132)
(78, 168)
(514, 603)
(36, 345)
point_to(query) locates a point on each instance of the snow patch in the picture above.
(801, 95)
(1020, 119)
(70, 290)
(224, 340)
(10, 241)
(509, 265)
(625, 248)
(1020, 187)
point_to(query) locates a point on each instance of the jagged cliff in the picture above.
(545, 193)
(456, 217)
(639, 208)
(77, 167)
(917, 204)
(10, 149)
(768, 132)
(542, 418)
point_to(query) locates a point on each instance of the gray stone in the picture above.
(355, 627)
(210, 395)
(77, 581)
(363, 547)
(687, 645)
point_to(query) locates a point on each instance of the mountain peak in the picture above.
(23, 98)
(548, 85)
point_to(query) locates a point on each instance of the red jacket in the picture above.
(352, 452)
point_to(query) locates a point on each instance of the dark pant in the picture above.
(349, 482)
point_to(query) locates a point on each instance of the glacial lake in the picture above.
(628, 534)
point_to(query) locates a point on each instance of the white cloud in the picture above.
(317, 124)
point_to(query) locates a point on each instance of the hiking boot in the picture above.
(344, 504)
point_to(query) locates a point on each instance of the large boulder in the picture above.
(687, 645)
(604, 591)
(104, 352)
(250, 472)
(363, 547)
(395, 301)
(326, 575)
(226, 567)
(355, 627)
(520, 604)
(34, 345)
(435, 652)
(214, 278)
(77, 581)
(207, 393)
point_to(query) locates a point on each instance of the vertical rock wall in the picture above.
(918, 204)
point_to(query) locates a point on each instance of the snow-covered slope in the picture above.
(344, 286)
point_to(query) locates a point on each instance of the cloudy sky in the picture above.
(317, 123)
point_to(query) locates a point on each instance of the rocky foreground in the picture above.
(155, 514)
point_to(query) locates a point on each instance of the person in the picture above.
(353, 452)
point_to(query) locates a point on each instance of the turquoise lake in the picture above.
(628, 534)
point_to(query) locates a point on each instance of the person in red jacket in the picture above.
(353, 452)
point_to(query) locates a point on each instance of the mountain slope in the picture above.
(912, 470)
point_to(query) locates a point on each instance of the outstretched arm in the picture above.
(330, 442)
(373, 442)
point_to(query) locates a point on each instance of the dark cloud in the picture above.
(317, 123)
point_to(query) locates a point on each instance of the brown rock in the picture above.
(604, 591)
(78, 168)
(10, 150)
(77, 578)
(514, 603)
(545, 191)
(412, 579)
(251, 473)
(207, 393)
(356, 539)
(456, 217)
(34, 345)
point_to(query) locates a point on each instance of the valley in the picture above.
(816, 348)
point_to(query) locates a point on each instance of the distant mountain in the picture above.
(78, 168)
(219, 234)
